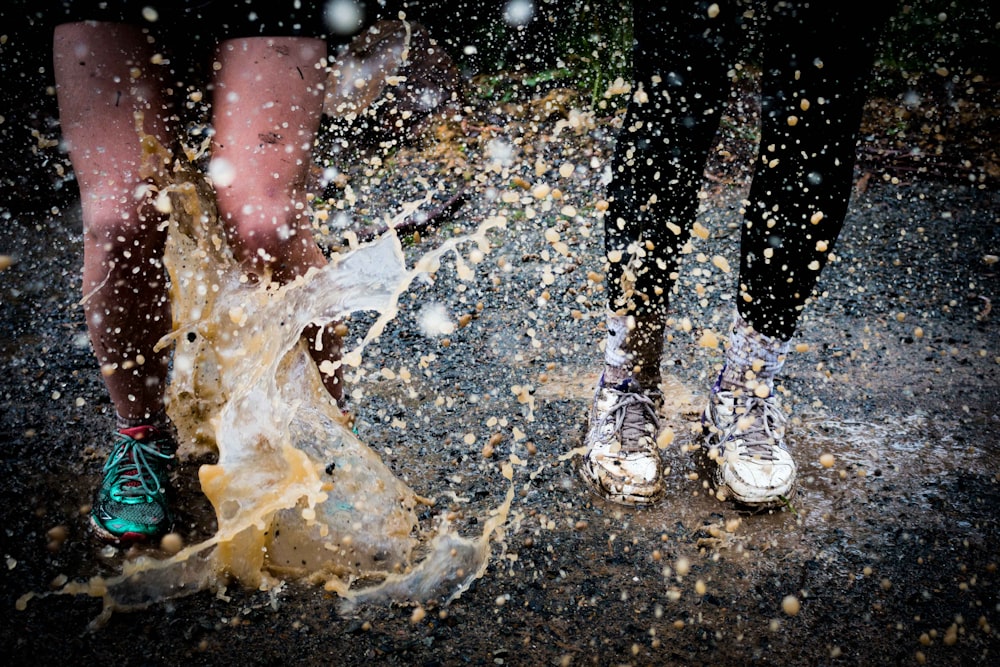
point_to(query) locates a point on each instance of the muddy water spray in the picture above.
(295, 492)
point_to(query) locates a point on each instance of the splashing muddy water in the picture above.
(296, 494)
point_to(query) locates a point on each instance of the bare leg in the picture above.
(103, 78)
(268, 101)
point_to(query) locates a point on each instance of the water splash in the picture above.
(296, 494)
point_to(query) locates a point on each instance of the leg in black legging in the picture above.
(682, 58)
(816, 63)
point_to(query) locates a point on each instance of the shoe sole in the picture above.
(628, 500)
(761, 506)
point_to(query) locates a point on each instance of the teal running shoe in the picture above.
(131, 505)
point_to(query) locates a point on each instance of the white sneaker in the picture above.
(744, 450)
(622, 463)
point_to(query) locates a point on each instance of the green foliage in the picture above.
(927, 35)
(595, 44)
(587, 44)
(584, 44)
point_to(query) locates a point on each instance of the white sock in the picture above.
(749, 350)
(617, 360)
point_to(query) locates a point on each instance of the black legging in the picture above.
(815, 65)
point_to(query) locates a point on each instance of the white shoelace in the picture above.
(759, 440)
(632, 411)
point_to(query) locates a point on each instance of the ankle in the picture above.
(752, 358)
(632, 349)
(157, 420)
(614, 375)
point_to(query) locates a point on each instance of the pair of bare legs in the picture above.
(267, 102)
(268, 98)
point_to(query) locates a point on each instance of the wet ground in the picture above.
(888, 556)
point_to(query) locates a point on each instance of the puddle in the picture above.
(848, 470)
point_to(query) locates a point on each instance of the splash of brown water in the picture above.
(296, 494)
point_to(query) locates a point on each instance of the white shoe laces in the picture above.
(632, 412)
(760, 438)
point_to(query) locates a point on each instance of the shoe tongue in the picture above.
(628, 385)
(141, 434)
